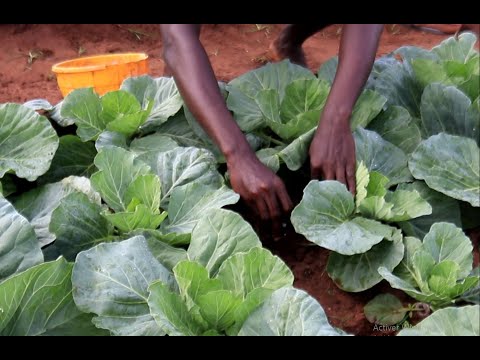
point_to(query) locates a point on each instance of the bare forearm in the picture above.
(356, 56)
(194, 76)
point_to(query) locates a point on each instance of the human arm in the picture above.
(332, 152)
(189, 64)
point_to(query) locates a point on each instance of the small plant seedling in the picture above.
(387, 309)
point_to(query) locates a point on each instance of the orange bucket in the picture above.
(102, 72)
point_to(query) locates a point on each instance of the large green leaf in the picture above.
(295, 154)
(397, 126)
(218, 308)
(19, 247)
(359, 272)
(166, 254)
(137, 86)
(123, 113)
(423, 264)
(252, 301)
(171, 313)
(300, 109)
(78, 225)
(325, 216)
(328, 70)
(27, 142)
(473, 295)
(218, 235)
(385, 309)
(39, 300)
(56, 115)
(162, 91)
(458, 49)
(367, 107)
(373, 200)
(400, 86)
(243, 90)
(445, 241)
(111, 138)
(445, 109)
(270, 158)
(111, 280)
(80, 325)
(140, 218)
(179, 130)
(444, 208)
(148, 148)
(181, 166)
(463, 75)
(193, 281)
(73, 157)
(381, 156)
(189, 203)
(84, 107)
(409, 54)
(406, 270)
(39, 104)
(303, 95)
(400, 205)
(443, 277)
(289, 312)
(428, 71)
(172, 239)
(145, 189)
(452, 321)
(38, 204)
(117, 170)
(449, 164)
(244, 272)
(471, 86)
(380, 65)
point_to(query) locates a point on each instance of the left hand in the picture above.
(332, 152)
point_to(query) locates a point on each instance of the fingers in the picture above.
(329, 173)
(271, 203)
(351, 181)
(274, 208)
(283, 196)
(345, 175)
(340, 175)
(261, 208)
(315, 172)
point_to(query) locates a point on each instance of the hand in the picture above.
(260, 188)
(332, 152)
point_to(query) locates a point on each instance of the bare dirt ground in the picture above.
(28, 51)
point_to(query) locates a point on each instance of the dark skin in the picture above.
(332, 152)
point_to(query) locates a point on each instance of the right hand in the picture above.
(260, 188)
